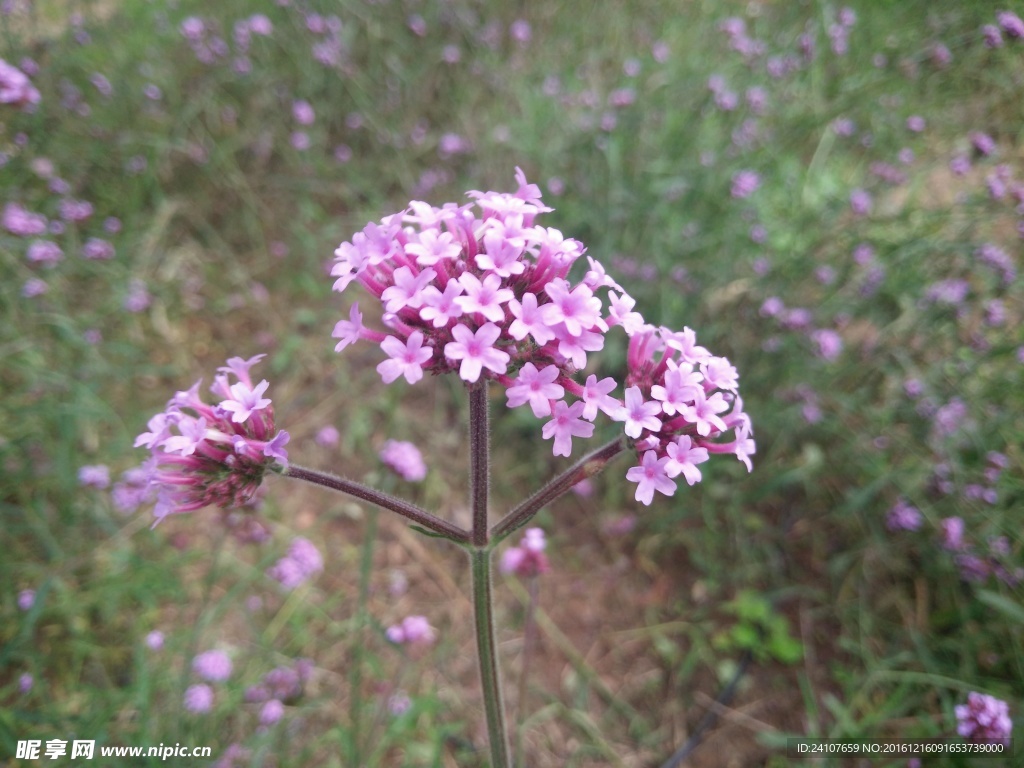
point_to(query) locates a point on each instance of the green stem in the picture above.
(356, 676)
(486, 648)
(529, 633)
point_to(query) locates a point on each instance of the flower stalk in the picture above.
(402, 507)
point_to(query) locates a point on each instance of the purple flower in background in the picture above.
(860, 202)
(75, 210)
(996, 258)
(528, 559)
(199, 698)
(412, 630)
(418, 25)
(519, 30)
(26, 599)
(96, 475)
(303, 112)
(950, 417)
(829, 343)
(102, 84)
(983, 143)
(25, 683)
(15, 87)
(745, 183)
(843, 126)
(193, 29)
(399, 703)
(941, 55)
(952, 533)
(271, 712)
(260, 25)
(992, 36)
(328, 436)
(960, 165)
(452, 144)
(21, 222)
(903, 517)
(138, 298)
(952, 291)
(44, 252)
(984, 719)
(302, 563)
(34, 287)
(97, 249)
(300, 140)
(155, 640)
(915, 123)
(405, 459)
(213, 666)
(1010, 23)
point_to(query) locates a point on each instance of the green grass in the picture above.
(230, 228)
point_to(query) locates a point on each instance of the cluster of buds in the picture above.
(206, 454)
(483, 291)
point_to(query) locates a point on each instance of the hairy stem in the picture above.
(404, 508)
(486, 648)
(479, 461)
(588, 466)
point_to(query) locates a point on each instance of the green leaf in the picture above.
(1009, 608)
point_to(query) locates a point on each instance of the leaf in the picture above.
(1010, 608)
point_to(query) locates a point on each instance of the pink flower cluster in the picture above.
(681, 404)
(483, 290)
(212, 454)
(15, 87)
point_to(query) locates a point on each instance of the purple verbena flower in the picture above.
(203, 454)
(984, 719)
